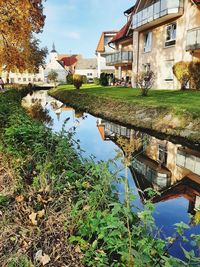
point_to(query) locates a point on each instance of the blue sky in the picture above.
(76, 25)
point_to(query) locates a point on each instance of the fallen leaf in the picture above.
(19, 198)
(77, 249)
(41, 213)
(32, 217)
(44, 259)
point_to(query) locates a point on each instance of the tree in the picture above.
(52, 76)
(182, 72)
(145, 81)
(19, 19)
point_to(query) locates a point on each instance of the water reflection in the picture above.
(168, 166)
(171, 169)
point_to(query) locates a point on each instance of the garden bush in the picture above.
(194, 69)
(145, 81)
(104, 79)
(84, 77)
(182, 72)
(77, 81)
(69, 79)
(96, 81)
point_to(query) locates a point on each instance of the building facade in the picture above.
(122, 57)
(164, 33)
(103, 49)
(88, 68)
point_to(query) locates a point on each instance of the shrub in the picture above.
(96, 81)
(69, 79)
(77, 81)
(84, 77)
(145, 81)
(182, 72)
(104, 79)
(194, 69)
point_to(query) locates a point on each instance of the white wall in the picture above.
(90, 73)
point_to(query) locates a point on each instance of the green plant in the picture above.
(96, 81)
(77, 81)
(182, 72)
(69, 79)
(194, 69)
(104, 79)
(84, 77)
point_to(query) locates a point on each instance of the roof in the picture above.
(129, 11)
(100, 46)
(69, 61)
(122, 33)
(86, 63)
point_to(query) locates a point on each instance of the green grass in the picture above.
(178, 101)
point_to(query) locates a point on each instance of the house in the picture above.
(56, 65)
(164, 33)
(25, 77)
(103, 49)
(87, 67)
(122, 56)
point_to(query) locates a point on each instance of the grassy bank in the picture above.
(168, 111)
(58, 209)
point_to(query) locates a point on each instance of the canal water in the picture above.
(169, 167)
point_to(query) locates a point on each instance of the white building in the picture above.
(55, 65)
(103, 50)
(87, 67)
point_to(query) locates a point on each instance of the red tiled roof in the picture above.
(122, 33)
(69, 61)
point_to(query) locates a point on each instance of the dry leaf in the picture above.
(77, 249)
(19, 198)
(41, 213)
(32, 217)
(45, 259)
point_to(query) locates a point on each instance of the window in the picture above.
(29, 79)
(170, 35)
(147, 67)
(168, 70)
(148, 42)
(24, 79)
(19, 79)
(162, 154)
(12, 80)
(89, 74)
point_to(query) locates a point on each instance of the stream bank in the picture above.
(158, 119)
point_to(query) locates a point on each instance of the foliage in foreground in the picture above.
(65, 209)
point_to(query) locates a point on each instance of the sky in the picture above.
(75, 26)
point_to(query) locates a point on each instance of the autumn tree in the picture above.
(19, 19)
(52, 76)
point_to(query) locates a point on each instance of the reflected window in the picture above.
(162, 154)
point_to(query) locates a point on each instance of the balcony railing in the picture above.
(159, 12)
(119, 58)
(193, 40)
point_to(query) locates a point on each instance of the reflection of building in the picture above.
(169, 168)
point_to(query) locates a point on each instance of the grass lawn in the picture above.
(178, 101)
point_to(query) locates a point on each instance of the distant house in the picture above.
(87, 67)
(103, 49)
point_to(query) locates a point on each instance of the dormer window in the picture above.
(170, 35)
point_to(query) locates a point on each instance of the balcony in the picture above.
(119, 58)
(193, 40)
(158, 13)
